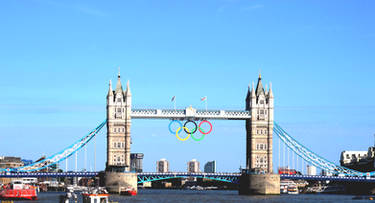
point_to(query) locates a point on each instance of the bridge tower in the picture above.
(118, 127)
(259, 128)
(117, 176)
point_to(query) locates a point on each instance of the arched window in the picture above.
(119, 145)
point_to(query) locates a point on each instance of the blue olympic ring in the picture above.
(174, 121)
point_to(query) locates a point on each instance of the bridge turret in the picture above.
(118, 129)
(119, 94)
(128, 110)
(259, 129)
(270, 104)
(110, 94)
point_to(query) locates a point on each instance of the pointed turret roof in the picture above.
(128, 92)
(118, 85)
(248, 92)
(252, 90)
(259, 89)
(270, 93)
(110, 91)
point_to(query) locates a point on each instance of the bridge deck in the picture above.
(190, 113)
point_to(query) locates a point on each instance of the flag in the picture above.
(203, 98)
(174, 97)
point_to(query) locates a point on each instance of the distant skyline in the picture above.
(57, 59)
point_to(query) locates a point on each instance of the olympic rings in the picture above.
(200, 129)
(187, 137)
(194, 130)
(190, 132)
(192, 136)
(174, 121)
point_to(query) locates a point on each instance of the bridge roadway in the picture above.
(190, 113)
(225, 177)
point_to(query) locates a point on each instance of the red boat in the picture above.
(128, 191)
(18, 191)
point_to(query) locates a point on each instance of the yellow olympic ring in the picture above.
(187, 130)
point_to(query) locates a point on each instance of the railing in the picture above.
(190, 113)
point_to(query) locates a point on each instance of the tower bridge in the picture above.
(260, 127)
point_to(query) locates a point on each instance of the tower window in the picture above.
(261, 102)
(119, 100)
(118, 109)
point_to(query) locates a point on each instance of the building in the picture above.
(10, 162)
(260, 103)
(136, 162)
(193, 166)
(162, 166)
(26, 162)
(210, 167)
(311, 170)
(359, 160)
(350, 157)
(118, 127)
(325, 173)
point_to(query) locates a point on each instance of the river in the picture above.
(208, 196)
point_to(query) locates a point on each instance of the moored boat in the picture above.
(128, 191)
(17, 190)
(293, 189)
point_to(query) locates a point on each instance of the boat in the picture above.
(284, 185)
(98, 195)
(293, 189)
(128, 191)
(89, 195)
(17, 190)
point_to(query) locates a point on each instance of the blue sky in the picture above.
(56, 58)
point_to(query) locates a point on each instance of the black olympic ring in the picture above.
(195, 128)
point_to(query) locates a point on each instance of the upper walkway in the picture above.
(190, 113)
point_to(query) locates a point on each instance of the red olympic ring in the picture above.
(205, 121)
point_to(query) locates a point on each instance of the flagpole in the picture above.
(206, 103)
(174, 102)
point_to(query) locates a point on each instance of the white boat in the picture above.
(293, 189)
(288, 187)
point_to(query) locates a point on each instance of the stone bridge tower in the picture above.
(118, 128)
(259, 128)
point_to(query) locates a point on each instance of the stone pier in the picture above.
(115, 182)
(259, 184)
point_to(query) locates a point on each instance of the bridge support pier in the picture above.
(259, 184)
(117, 182)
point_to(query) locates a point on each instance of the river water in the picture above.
(208, 196)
